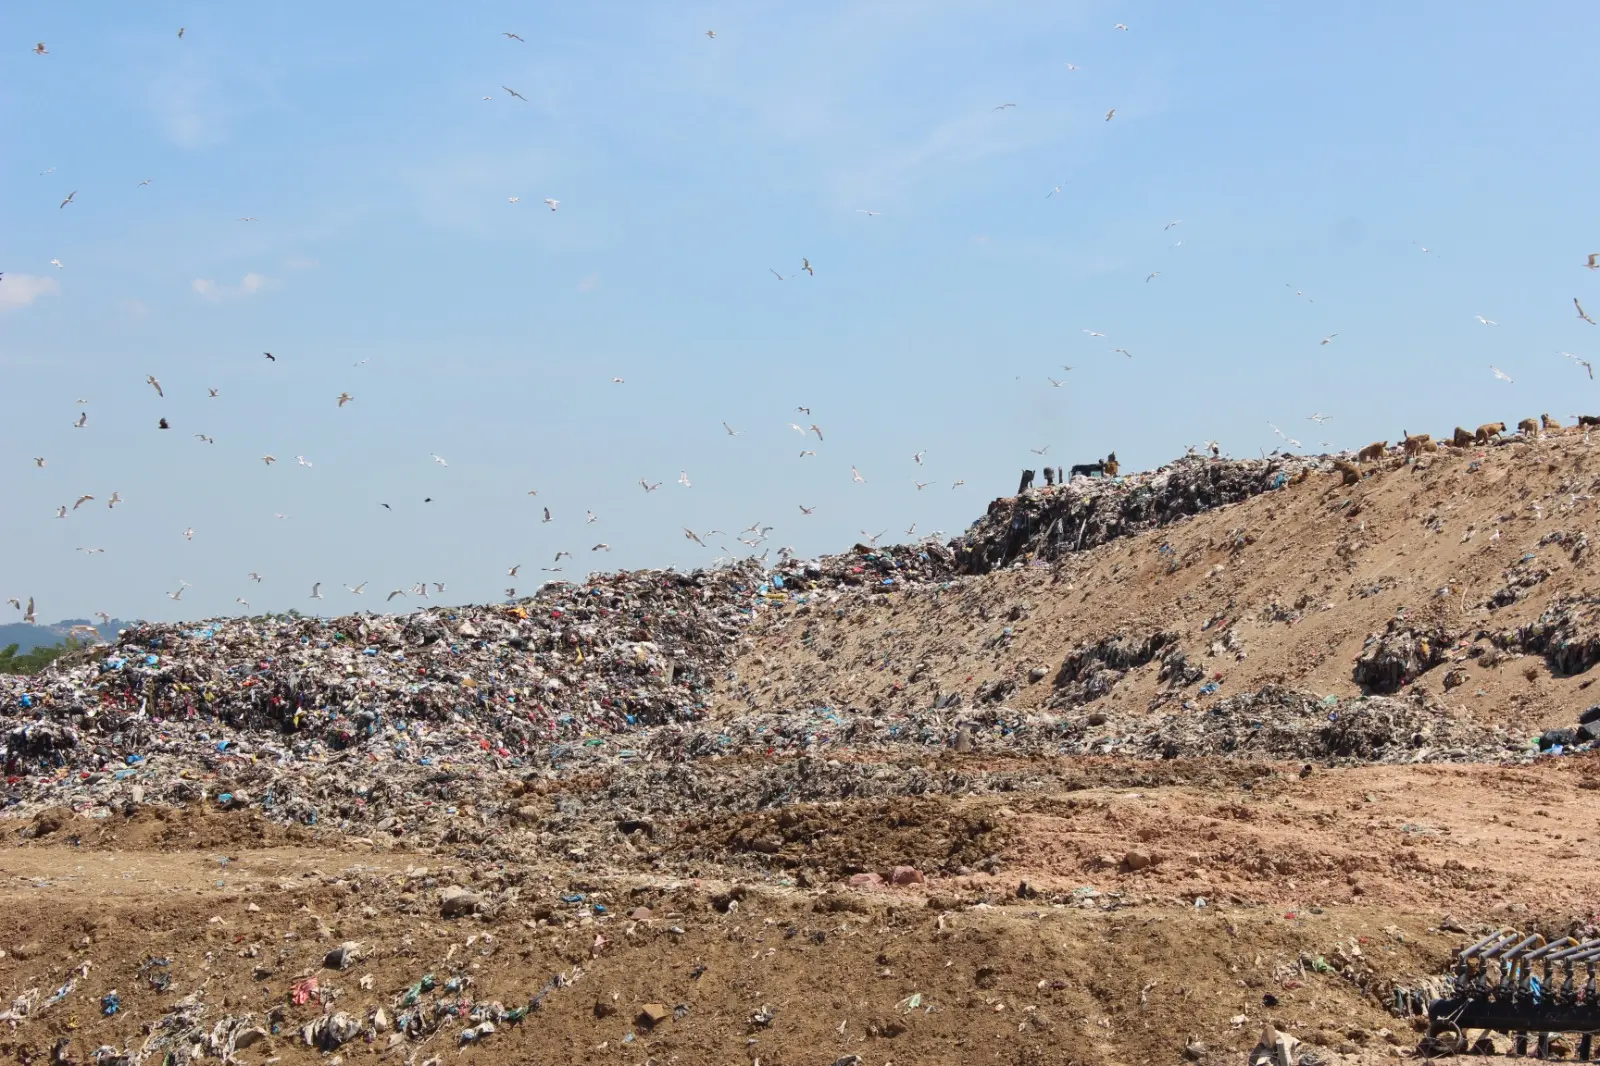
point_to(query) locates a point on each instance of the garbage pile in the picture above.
(1399, 655)
(1085, 512)
(1567, 634)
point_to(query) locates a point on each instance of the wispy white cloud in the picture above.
(216, 292)
(20, 290)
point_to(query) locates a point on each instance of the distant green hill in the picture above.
(27, 637)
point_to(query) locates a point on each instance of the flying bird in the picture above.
(1329, 338)
(546, 514)
(303, 461)
(91, 551)
(1174, 222)
(83, 420)
(601, 547)
(712, 34)
(1002, 107)
(1581, 362)
(1502, 375)
(1318, 418)
(513, 199)
(617, 381)
(163, 424)
(920, 484)
(647, 486)
(40, 50)
(269, 459)
(392, 595)
(1594, 261)
(869, 214)
(917, 457)
(1054, 382)
(154, 384)
(872, 538)
(807, 452)
(344, 398)
(776, 274)
(212, 393)
(68, 200)
(28, 615)
(731, 431)
(176, 595)
(1122, 351)
(683, 478)
(590, 518)
(180, 33)
(242, 602)
(1152, 274)
(559, 555)
(514, 92)
(439, 460)
(806, 510)
(61, 512)
(816, 429)
(247, 218)
(552, 204)
(1040, 451)
(855, 475)
(1092, 333)
(270, 356)
(188, 534)
(1120, 26)
(38, 461)
(1053, 191)
(1111, 114)
(805, 264)
(959, 482)
(56, 263)
(1581, 313)
(690, 534)
(512, 36)
(81, 500)
(358, 590)
(1486, 321)
(316, 591)
(1073, 66)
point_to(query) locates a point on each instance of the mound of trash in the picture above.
(1084, 512)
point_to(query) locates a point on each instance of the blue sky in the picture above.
(1310, 148)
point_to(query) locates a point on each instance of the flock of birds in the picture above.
(752, 537)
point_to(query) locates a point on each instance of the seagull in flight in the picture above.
(552, 204)
(816, 429)
(1122, 351)
(1111, 114)
(806, 510)
(1581, 362)
(1120, 26)
(958, 483)
(188, 534)
(40, 50)
(154, 384)
(872, 538)
(617, 381)
(91, 551)
(1318, 418)
(81, 500)
(38, 461)
(683, 478)
(316, 591)
(689, 534)
(869, 214)
(1073, 66)
(1054, 382)
(68, 200)
(776, 274)
(917, 458)
(601, 547)
(1053, 191)
(512, 36)
(711, 34)
(269, 459)
(242, 602)
(1092, 333)
(807, 452)
(392, 595)
(920, 484)
(1153, 274)
(253, 576)
(1581, 313)
(56, 263)
(546, 515)
(1502, 375)
(1594, 261)
(731, 431)
(270, 356)
(590, 518)
(439, 460)
(647, 486)
(358, 590)
(83, 420)
(145, 182)
(855, 475)
(1486, 321)
(514, 92)
(1040, 451)
(212, 392)
(798, 429)
(1329, 338)
(1174, 222)
(513, 199)
(176, 595)
(1002, 107)
(303, 461)
(344, 398)
(61, 512)
(559, 555)
(805, 264)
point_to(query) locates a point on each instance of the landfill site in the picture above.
(1220, 763)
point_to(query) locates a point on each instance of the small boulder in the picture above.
(653, 1014)
(456, 902)
(906, 875)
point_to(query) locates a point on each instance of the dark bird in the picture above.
(269, 355)
(513, 36)
(163, 424)
(386, 507)
(514, 92)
